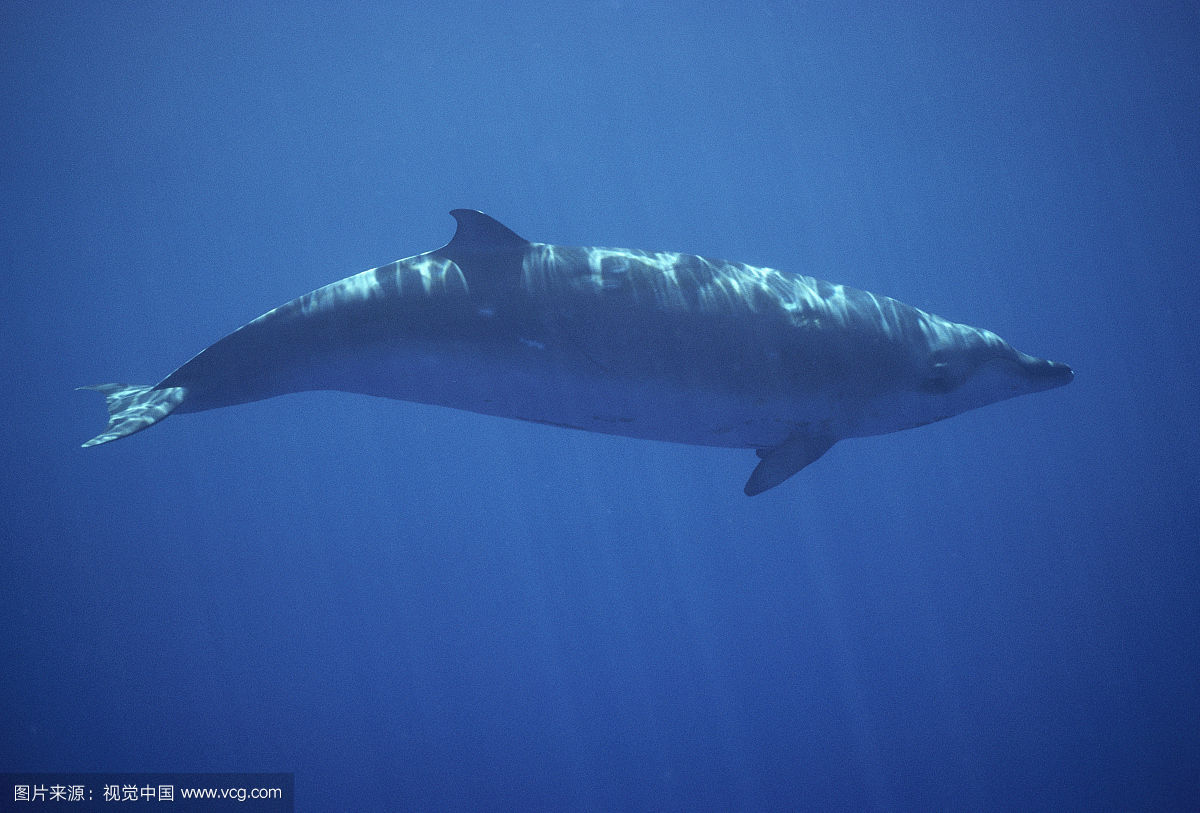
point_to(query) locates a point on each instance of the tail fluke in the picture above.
(131, 408)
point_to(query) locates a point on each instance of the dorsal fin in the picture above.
(478, 232)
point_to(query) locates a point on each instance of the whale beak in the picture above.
(1043, 374)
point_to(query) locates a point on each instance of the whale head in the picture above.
(963, 368)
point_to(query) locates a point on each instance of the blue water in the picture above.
(415, 608)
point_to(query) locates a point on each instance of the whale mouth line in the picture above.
(1044, 374)
(1054, 371)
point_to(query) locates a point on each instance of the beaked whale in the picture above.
(655, 345)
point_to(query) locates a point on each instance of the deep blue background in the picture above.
(414, 607)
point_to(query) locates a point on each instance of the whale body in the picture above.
(655, 345)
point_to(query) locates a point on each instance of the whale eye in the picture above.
(940, 381)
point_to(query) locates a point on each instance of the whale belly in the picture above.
(536, 385)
